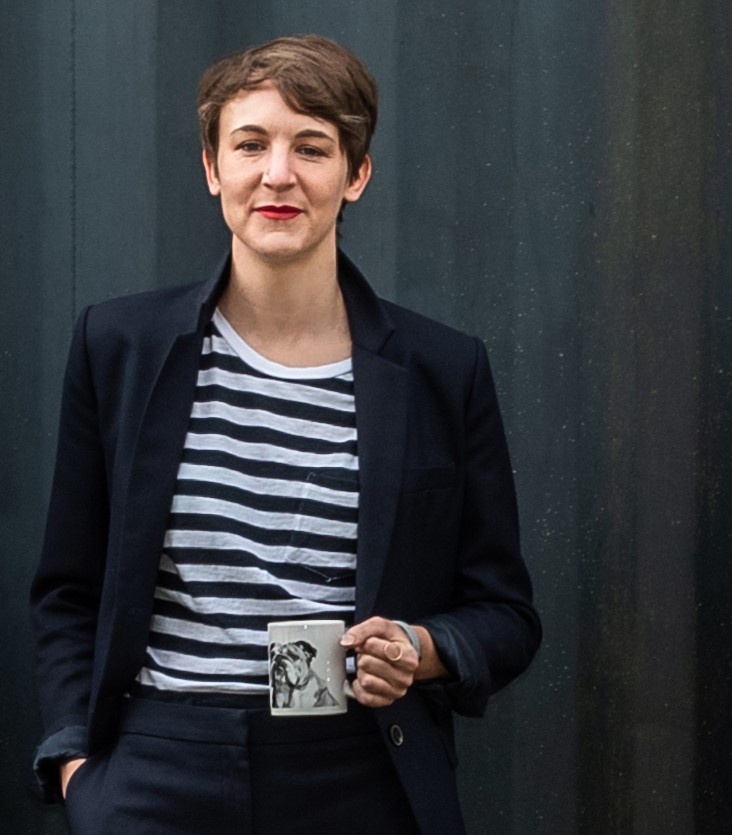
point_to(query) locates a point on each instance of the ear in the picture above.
(212, 176)
(308, 649)
(358, 181)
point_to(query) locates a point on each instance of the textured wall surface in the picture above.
(555, 177)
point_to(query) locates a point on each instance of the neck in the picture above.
(291, 312)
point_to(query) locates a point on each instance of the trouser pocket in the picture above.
(150, 785)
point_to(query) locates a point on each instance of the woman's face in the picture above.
(281, 176)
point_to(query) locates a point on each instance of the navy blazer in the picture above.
(438, 531)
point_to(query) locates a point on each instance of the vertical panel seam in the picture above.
(73, 161)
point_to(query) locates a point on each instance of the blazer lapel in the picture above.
(174, 357)
(380, 386)
(161, 435)
(150, 487)
(166, 391)
(381, 401)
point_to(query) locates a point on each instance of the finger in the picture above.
(377, 676)
(376, 692)
(373, 627)
(369, 699)
(398, 675)
(398, 653)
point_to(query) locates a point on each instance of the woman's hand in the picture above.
(66, 770)
(386, 662)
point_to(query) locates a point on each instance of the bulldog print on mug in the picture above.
(307, 668)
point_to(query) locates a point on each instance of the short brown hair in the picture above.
(314, 75)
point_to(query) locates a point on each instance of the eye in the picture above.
(312, 151)
(250, 146)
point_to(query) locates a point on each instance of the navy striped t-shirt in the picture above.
(263, 523)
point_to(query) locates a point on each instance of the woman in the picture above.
(277, 440)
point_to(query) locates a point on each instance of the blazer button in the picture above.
(396, 735)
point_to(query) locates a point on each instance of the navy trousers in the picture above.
(179, 768)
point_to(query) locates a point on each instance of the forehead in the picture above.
(265, 108)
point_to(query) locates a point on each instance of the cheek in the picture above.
(331, 194)
(324, 187)
(235, 184)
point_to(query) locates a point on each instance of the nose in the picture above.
(279, 174)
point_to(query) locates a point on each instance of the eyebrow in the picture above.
(307, 133)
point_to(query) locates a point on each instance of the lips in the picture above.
(279, 212)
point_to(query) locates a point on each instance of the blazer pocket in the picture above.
(428, 478)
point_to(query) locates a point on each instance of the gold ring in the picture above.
(393, 658)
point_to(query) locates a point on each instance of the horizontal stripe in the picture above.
(272, 437)
(251, 606)
(240, 620)
(204, 632)
(213, 356)
(271, 520)
(164, 641)
(244, 399)
(292, 505)
(206, 666)
(332, 476)
(190, 573)
(276, 389)
(269, 486)
(268, 366)
(269, 452)
(179, 684)
(280, 423)
(213, 540)
(332, 576)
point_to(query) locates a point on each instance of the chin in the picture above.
(285, 252)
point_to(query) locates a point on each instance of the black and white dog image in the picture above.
(294, 683)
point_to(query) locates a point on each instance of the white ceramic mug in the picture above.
(307, 668)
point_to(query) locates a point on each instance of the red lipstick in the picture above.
(279, 212)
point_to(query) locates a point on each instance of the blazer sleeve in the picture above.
(66, 590)
(492, 631)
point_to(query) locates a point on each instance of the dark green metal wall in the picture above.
(555, 177)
